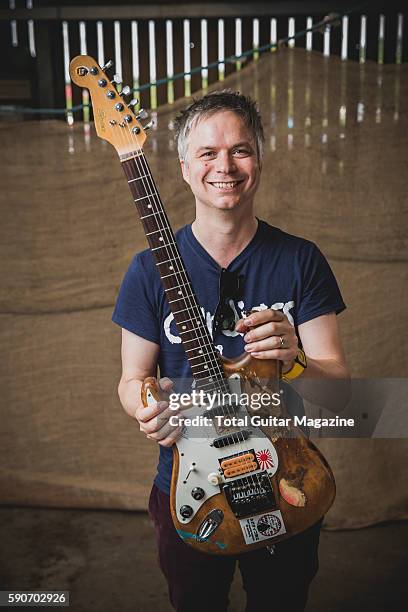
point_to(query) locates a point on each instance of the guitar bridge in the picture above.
(251, 495)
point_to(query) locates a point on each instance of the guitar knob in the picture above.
(198, 493)
(214, 478)
(186, 511)
(108, 65)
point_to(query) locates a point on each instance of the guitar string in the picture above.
(146, 173)
(156, 212)
(254, 477)
(194, 309)
(182, 283)
(229, 409)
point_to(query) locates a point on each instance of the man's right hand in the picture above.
(154, 419)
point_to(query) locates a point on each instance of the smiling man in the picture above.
(293, 297)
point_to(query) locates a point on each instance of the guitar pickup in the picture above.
(234, 438)
(237, 465)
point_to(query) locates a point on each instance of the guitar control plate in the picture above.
(210, 524)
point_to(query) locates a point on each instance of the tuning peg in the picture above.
(142, 114)
(116, 79)
(133, 102)
(108, 65)
(125, 91)
(148, 126)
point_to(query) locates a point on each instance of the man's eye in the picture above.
(241, 152)
(208, 154)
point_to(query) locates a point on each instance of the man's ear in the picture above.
(185, 170)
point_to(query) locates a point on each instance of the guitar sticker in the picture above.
(269, 525)
(262, 527)
(264, 458)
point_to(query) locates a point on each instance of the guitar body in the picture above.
(290, 489)
(236, 486)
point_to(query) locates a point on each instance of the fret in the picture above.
(198, 357)
(159, 263)
(200, 349)
(163, 246)
(182, 297)
(211, 385)
(181, 286)
(167, 275)
(149, 195)
(188, 331)
(188, 320)
(186, 284)
(139, 178)
(155, 231)
(151, 215)
(194, 340)
(206, 370)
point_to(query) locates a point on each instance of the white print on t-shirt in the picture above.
(208, 317)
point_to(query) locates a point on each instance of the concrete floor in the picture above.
(107, 561)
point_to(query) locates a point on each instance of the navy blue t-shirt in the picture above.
(281, 271)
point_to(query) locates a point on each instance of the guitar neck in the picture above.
(183, 303)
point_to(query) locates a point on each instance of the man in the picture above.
(293, 298)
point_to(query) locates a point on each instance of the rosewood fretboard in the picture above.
(187, 313)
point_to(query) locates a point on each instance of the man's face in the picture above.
(222, 167)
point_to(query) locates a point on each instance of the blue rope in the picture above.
(232, 58)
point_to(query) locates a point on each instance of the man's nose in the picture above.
(225, 163)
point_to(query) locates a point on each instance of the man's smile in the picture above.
(225, 185)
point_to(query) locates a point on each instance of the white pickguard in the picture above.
(198, 459)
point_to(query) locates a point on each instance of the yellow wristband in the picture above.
(297, 369)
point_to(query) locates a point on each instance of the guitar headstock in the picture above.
(114, 119)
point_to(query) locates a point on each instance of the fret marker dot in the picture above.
(179, 292)
(200, 351)
(171, 268)
(149, 206)
(161, 238)
(184, 327)
(205, 367)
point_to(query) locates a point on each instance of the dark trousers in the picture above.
(199, 582)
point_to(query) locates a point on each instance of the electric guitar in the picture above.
(238, 485)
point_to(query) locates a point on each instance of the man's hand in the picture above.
(154, 419)
(269, 335)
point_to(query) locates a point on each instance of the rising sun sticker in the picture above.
(264, 459)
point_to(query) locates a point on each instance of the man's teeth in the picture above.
(226, 184)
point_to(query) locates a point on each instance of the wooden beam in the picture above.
(169, 11)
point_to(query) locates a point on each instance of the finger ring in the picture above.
(282, 342)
